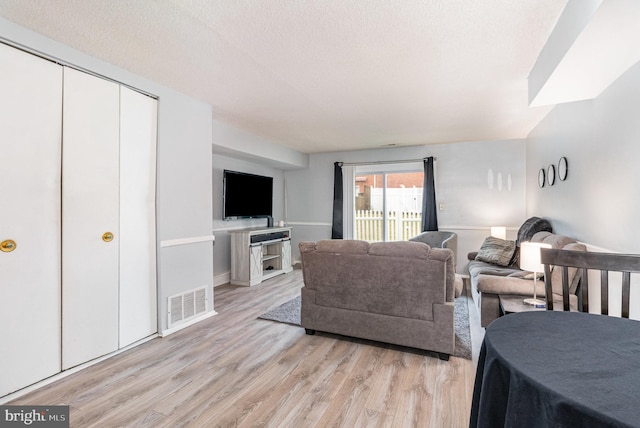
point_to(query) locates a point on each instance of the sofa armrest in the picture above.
(452, 243)
(508, 285)
(446, 256)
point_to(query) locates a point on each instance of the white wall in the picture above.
(184, 196)
(241, 144)
(598, 202)
(471, 207)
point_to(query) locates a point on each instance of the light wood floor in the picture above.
(235, 370)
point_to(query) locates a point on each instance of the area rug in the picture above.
(289, 313)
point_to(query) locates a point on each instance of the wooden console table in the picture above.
(259, 253)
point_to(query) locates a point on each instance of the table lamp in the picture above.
(499, 232)
(530, 261)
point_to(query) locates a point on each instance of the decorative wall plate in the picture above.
(563, 168)
(541, 177)
(551, 175)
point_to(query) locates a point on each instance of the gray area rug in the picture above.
(289, 313)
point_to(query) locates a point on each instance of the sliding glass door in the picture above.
(388, 205)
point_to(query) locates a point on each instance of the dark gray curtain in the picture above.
(336, 228)
(429, 211)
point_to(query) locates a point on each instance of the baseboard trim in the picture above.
(223, 278)
(169, 331)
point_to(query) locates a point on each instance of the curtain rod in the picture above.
(385, 162)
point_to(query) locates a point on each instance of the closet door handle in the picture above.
(8, 245)
(107, 237)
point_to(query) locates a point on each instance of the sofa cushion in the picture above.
(476, 267)
(557, 242)
(496, 251)
(342, 246)
(509, 285)
(523, 274)
(404, 249)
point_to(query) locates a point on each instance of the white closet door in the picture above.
(30, 132)
(138, 302)
(90, 212)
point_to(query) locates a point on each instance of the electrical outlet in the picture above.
(441, 206)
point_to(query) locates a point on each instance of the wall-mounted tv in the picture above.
(247, 195)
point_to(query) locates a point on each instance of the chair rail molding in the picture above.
(186, 241)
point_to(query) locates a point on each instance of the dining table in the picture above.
(558, 369)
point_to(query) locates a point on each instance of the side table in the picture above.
(510, 304)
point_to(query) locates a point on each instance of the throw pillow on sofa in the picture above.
(496, 251)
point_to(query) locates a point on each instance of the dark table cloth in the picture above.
(558, 369)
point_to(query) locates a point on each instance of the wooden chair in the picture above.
(585, 261)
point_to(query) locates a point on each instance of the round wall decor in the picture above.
(551, 175)
(563, 168)
(541, 177)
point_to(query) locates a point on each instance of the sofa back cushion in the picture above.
(557, 242)
(343, 246)
(407, 250)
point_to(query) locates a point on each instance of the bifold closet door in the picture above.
(30, 133)
(90, 217)
(138, 301)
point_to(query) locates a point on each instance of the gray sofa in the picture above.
(395, 292)
(489, 281)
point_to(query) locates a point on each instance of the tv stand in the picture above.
(259, 253)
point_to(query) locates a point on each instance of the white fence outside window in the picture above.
(407, 199)
(401, 225)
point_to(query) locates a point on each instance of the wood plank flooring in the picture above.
(234, 370)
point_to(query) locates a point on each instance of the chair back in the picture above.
(439, 239)
(583, 262)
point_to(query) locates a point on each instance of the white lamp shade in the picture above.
(499, 232)
(530, 256)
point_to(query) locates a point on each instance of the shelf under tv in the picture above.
(258, 254)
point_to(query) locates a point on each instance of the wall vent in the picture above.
(182, 307)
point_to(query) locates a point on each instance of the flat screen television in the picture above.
(246, 195)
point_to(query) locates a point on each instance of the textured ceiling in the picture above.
(324, 75)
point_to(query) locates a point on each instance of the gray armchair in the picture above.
(440, 239)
